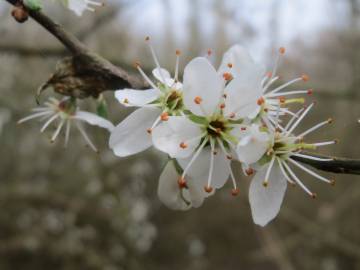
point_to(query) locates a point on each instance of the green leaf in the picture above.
(34, 5)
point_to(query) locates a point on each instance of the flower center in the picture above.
(216, 127)
(174, 100)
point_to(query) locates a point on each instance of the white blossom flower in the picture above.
(79, 6)
(237, 62)
(268, 186)
(203, 140)
(175, 197)
(164, 99)
(66, 113)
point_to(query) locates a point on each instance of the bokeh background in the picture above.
(74, 209)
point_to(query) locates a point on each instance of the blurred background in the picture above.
(74, 209)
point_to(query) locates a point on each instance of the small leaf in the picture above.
(101, 108)
(34, 5)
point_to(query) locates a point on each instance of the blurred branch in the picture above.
(84, 74)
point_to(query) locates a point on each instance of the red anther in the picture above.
(243, 128)
(260, 101)
(265, 183)
(126, 101)
(164, 116)
(209, 52)
(282, 100)
(313, 195)
(136, 64)
(305, 77)
(208, 189)
(183, 145)
(310, 91)
(249, 171)
(269, 74)
(224, 95)
(222, 106)
(147, 38)
(182, 183)
(282, 50)
(330, 120)
(149, 130)
(227, 76)
(178, 52)
(332, 182)
(230, 65)
(229, 157)
(197, 100)
(235, 191)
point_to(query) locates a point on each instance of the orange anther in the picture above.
(282, 99)
(235, 191)
(260, 101)
(227, 76)
(182, 182)
(198, 100)
(164, 116)
(222, 106)
(282, 50)
(208, 189)
(310, 91)
(183, 145)
(136, 64)
(305, 77)
(149, 130)
(229, 157)
(269, 74)
(178, 52)
(249, 171)
(230, 65)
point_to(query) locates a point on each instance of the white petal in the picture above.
(139, 98)
(94, 119)
(131, 136)
(265, 202)
(242, 64)
(199, 170)
(201, 80)
(168, 136)
(253, 145)
(160, 74)
(170, 193)
(77, 6)
(242, 95)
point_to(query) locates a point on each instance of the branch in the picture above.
(85, 73)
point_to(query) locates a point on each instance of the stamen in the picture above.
(305, 77)
(67, 133)
(227, 76)
(155, 59)
(147, 79)
(87, 139)
(164, 116)
(222, 106)
(325, 143)
(281, 87)
(284, 172)
(266, 181)
(296, 115)
(249, 171)
(329, 121)
(208, 188)
(194, 157)
(300, 118)
(182, 183)
(312, 157)
(183, 145)
(309, 171)
(177, 65)
(48, 122)
(35, 115)
(230, 65)
(197, 100)
(260, 101)
(57, 131)
(297, 180)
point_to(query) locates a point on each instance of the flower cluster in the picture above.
(213, 117)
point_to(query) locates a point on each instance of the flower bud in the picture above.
(20, 14)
